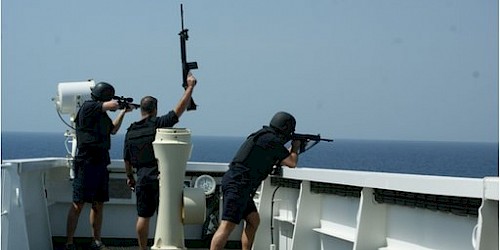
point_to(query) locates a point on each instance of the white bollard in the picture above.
(172, 148)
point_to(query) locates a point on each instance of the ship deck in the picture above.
(125, 248)
(131, 244)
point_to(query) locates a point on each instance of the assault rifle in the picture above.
(186, 66)
(304, 141)
(125, 102)
(306, 138)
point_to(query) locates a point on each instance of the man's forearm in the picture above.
(118, 121)
(184, 101)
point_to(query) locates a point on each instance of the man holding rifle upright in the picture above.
(138, 153)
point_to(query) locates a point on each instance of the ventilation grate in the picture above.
(462, 206)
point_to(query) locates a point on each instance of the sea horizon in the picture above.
(121, 133)
(444, 158)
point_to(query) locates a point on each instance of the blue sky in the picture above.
(388, 69)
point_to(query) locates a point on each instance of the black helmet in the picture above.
(103, 91)
(284, 122)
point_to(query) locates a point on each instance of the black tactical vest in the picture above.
(139, 139)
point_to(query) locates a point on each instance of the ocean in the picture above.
(463, 159)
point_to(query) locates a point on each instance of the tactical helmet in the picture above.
(284, 122)
(103, 91)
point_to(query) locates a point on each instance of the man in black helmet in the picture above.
(138, 153)
(252, 164)
(93, 130)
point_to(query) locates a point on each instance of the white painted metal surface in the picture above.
(328, 221)
(38, 192)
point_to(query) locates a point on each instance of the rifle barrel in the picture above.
(182, 18)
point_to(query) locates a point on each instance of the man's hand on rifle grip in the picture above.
(191, 80)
